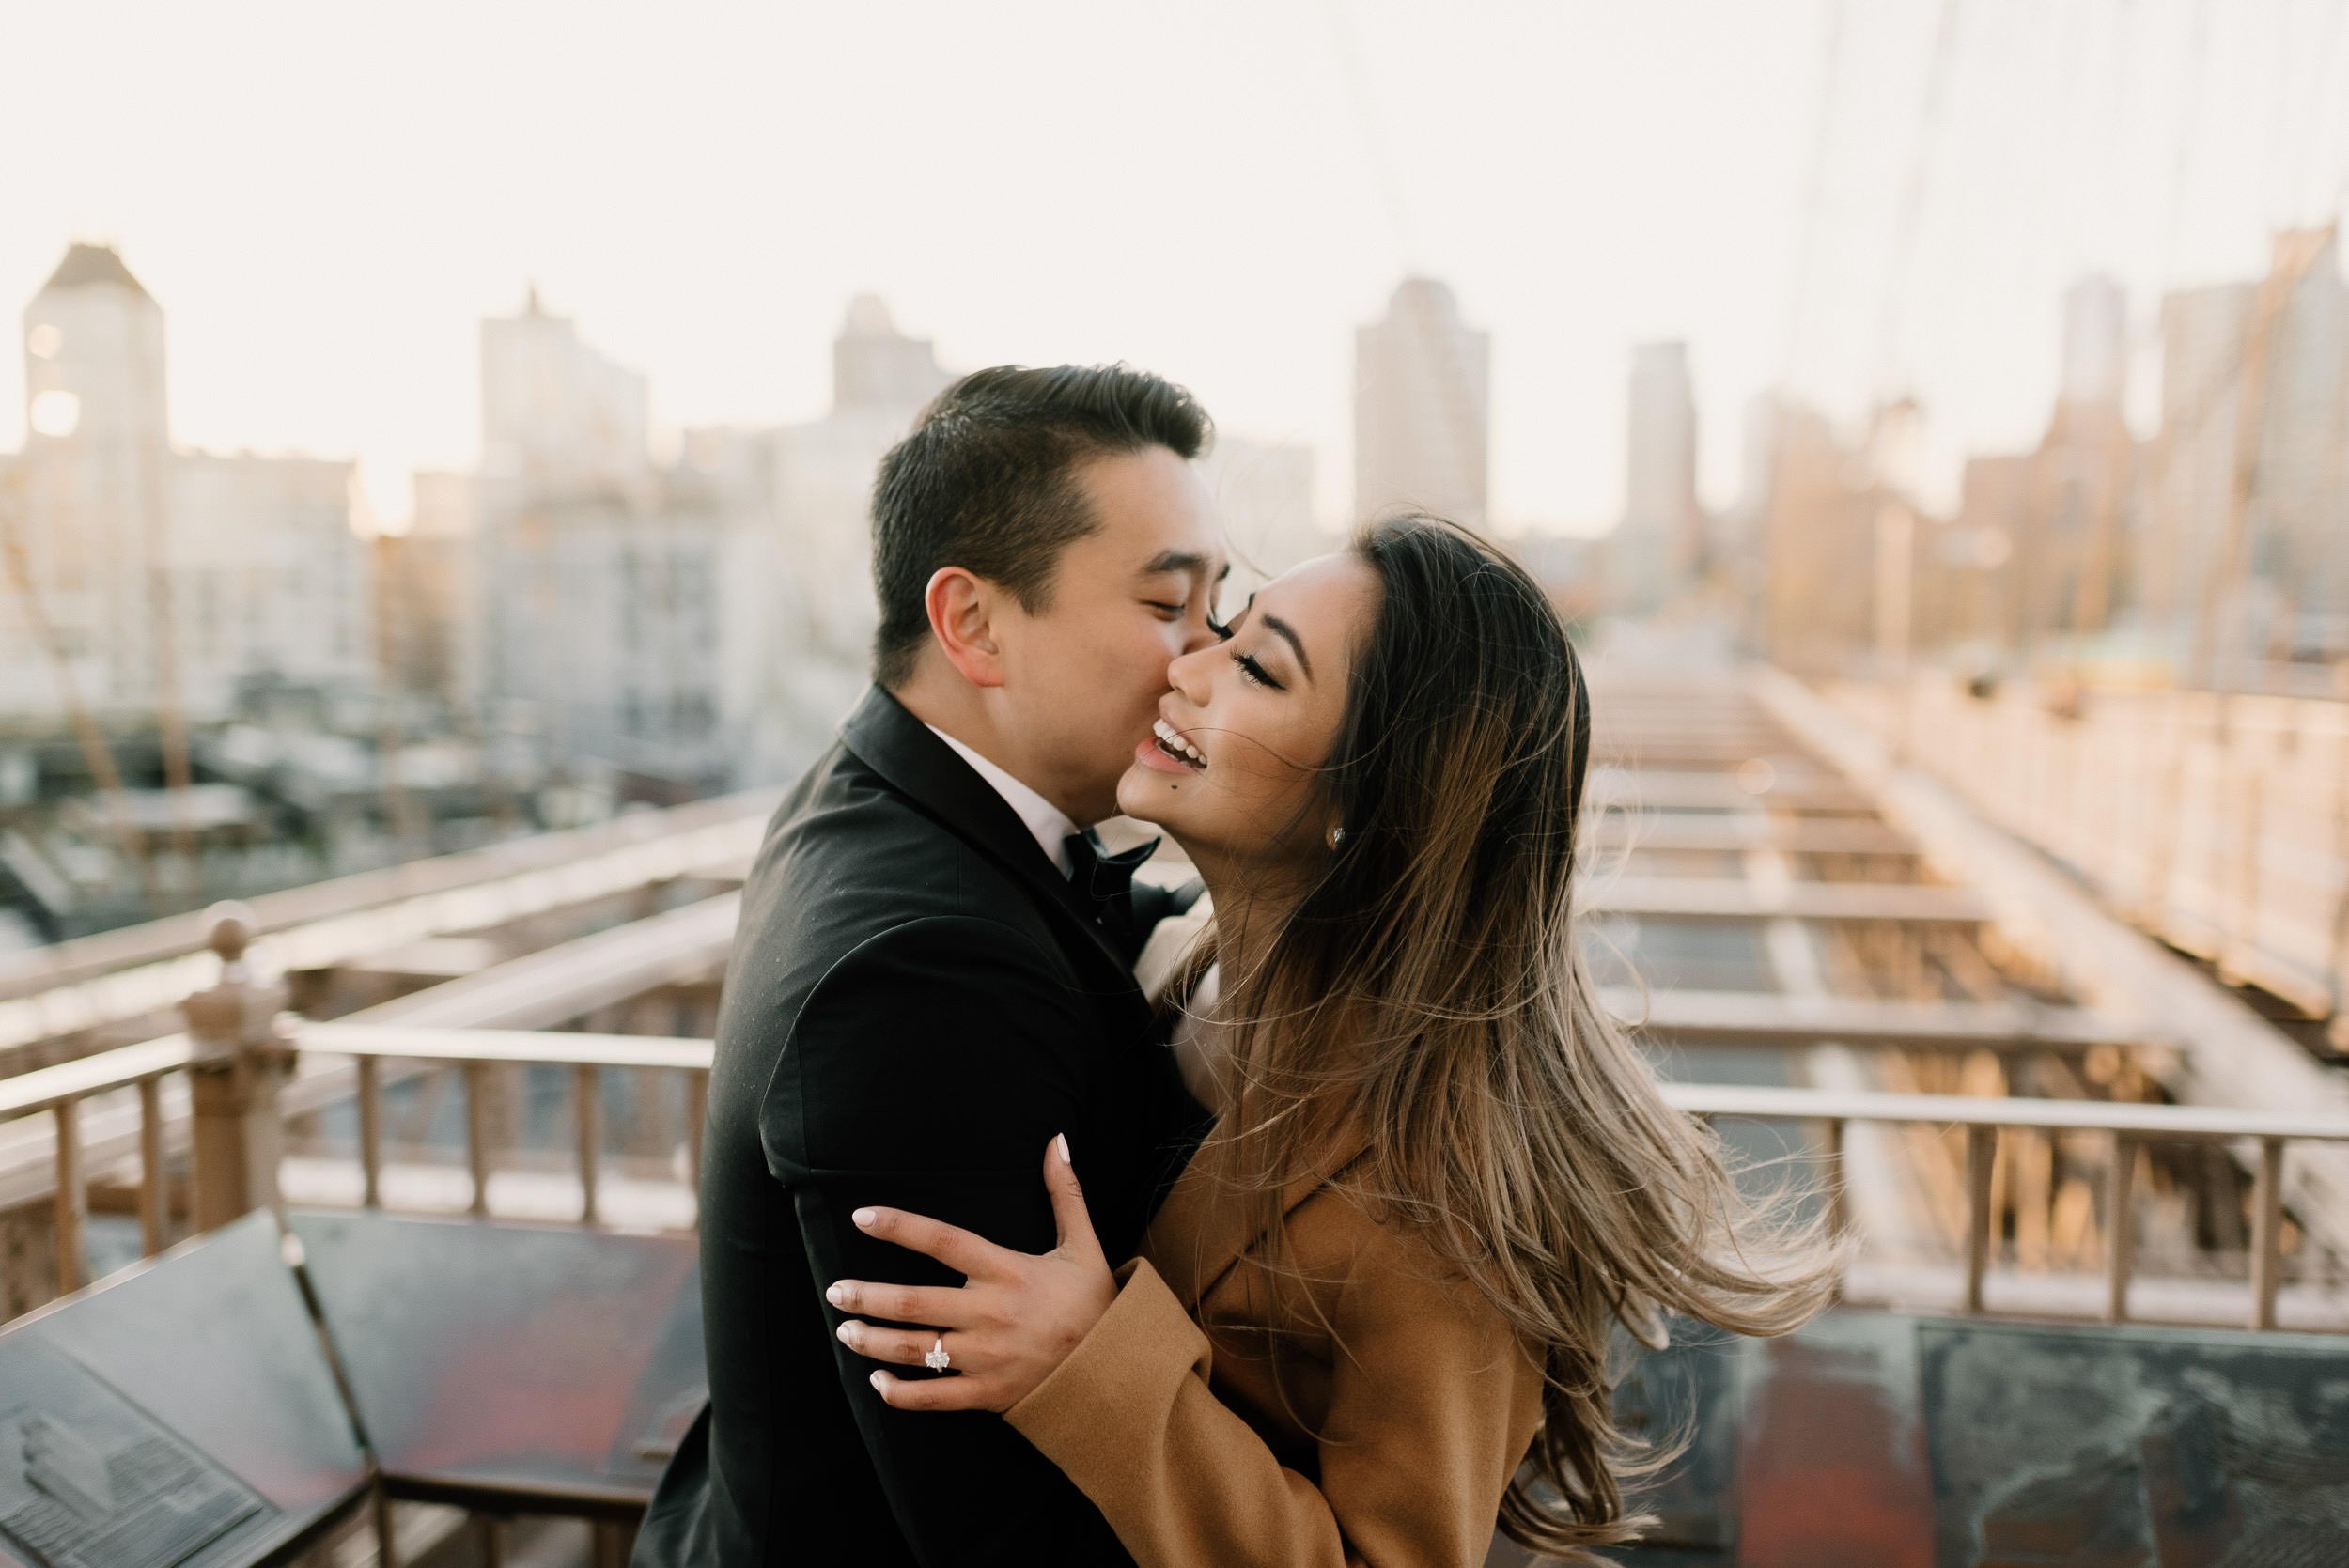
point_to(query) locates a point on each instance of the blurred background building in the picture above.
(210, 641)
(1422, 395)
(146, 576)
(2208, 550)
(1659, 547)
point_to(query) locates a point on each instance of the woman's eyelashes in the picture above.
(1251, 669)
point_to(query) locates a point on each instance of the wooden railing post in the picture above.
(370, 1072)
(154, 1169)
(1838, 1218)
(2267, 1225)
(1982, 1223)
(1838, 1199)
(241, 1063)
(2120, 1227)
(587, 1090)
(696, 1113)
(72, 1199)
(477, 1133)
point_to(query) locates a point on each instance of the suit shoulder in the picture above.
(930, 943)
(862, 836)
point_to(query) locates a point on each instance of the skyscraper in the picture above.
(600, 577)
(874, 366)
(729, 591)
(2067, 570)
(555, 413)
(159, 578)
(1423, 394)
(2300, 527)
(96, 449)
(1660, 543)
(825, 467)
(2095, 342)
(2232, 572)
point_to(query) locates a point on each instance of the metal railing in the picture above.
(2218, 822)
(235, 1050)
(60, 1092)
(479, 1051)
(223, 1087)
(2129, 1125)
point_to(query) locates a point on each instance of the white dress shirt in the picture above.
(1047, 821)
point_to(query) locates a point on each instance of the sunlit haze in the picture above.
(327, 199)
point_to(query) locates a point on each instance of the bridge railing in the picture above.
(2129, 1125)
(61, 1093)
(477, 1052)
(224, 1075)
(2219, 821)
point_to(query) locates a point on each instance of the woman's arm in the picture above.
(1432, 1401)
(1432, 1405)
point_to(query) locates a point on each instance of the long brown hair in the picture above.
(1428, 991)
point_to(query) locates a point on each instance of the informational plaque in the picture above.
(512, 1365)
(88, 1479)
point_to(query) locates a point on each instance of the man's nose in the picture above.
(1198, 633)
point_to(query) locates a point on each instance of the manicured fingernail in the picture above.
(1060, 1141)
(865, 1216)
(837, 1295)
(876, 1381)
(844, 1335)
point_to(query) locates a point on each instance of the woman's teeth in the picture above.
(1174, 745)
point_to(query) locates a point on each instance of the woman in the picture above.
(1376, 1306)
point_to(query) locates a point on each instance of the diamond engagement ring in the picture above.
(935, 1357)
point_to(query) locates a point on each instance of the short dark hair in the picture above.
(986, 482)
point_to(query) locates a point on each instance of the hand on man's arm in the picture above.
(925, 1074)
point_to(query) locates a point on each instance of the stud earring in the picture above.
(1337, 837)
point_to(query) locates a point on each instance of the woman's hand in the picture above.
(1012, 1319)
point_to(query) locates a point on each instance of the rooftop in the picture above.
(85, 265)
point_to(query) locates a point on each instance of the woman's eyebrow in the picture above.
(1283, 628)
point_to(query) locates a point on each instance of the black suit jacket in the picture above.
(916, 1001)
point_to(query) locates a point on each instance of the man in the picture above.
(929, 980)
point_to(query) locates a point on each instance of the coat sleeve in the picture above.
(927, 1072)
(1433, 1403)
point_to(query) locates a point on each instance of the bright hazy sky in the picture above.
(326, 198)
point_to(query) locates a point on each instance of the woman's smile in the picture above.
(1172, 743)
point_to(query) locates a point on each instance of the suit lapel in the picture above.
(901, 749)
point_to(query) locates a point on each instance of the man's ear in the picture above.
(962, 611)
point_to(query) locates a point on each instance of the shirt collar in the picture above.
(1047, 821)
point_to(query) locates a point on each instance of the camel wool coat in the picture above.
(1359, 1408)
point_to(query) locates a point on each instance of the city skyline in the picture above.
(1584, 184)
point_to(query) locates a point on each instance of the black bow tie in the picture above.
(1103, 877)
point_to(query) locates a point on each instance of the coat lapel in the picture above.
(1206, 1224)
